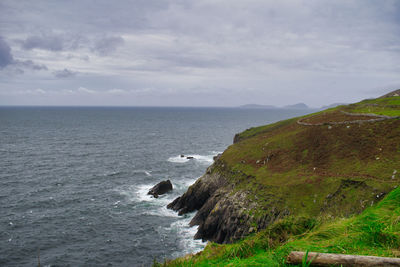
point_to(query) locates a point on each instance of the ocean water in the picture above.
(74, 180)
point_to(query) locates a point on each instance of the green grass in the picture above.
(389, 106)
(376, 231)
(323, 177)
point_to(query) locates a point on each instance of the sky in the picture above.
(197, 53)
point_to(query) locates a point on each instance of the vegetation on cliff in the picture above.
(302, 184)
(376, 231)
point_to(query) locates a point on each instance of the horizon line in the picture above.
(133, 106)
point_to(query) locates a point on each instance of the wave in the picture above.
(162, 212)
(185, 235)
(151, 206)
(147, 173)
(200, 158)
(138, 193)
(113, 173)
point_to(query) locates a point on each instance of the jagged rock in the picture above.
(222, 217)
(160, 188)
(197, 194)
(391, 94)
(217, 157)
(236, 138)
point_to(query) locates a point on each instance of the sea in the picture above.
(74, 180)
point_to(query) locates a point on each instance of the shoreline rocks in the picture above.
(221, 215)
(187, 157)
(160, 188)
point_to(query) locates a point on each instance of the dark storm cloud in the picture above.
(65, 73)
(6, 57)
(107, 45)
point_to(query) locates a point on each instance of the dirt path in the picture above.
(341, 117)
(324, 173)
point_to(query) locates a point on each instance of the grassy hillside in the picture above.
(303, 163)
(301, 184)
(374, 232)
(383, 106)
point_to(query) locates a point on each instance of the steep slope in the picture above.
(376, 231)
(329, 164)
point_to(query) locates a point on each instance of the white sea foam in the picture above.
(139, 194)
(147, 173)
(162, 212)
(200, 158)
(185, 234)
(178, 159)
(180, 227)
(136, 193)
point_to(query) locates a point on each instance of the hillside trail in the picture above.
(324, 173)
(363, 118)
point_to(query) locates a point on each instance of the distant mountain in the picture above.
(297, 106)
(255, 106)
(391, 94)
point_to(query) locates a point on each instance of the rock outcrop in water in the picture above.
(160, 188)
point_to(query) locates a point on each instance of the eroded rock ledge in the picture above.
(198, 193)
(223, 213)
(226, 212)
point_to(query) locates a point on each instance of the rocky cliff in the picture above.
(321, 169)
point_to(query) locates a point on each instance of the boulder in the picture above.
(160, 188)
(215, 158)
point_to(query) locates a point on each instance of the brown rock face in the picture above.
(222, 212)
(391, 94)
(197, 194)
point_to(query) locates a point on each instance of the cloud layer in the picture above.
(203, 53)
(5, 54)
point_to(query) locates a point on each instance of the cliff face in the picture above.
(224, 213)
(199, 193)
(321, 169)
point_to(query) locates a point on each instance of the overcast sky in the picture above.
(197, 53)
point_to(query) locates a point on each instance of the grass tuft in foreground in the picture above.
(374, 232)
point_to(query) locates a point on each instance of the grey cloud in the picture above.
(69, 42)
(55, 42)
(87, 17)
(65, 73)
(29, 64)
(52, 43)
(284, 45)
(6, 57)
(107, 45)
